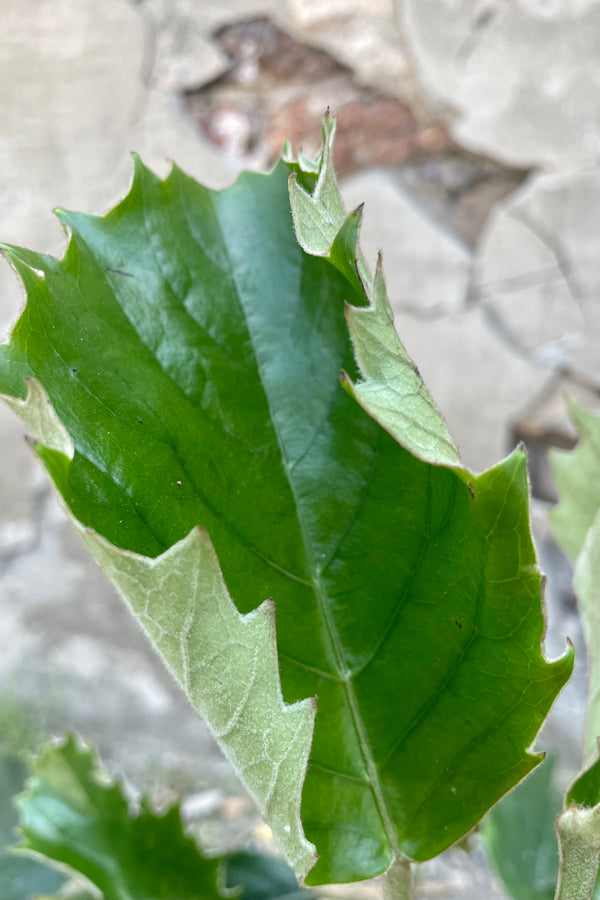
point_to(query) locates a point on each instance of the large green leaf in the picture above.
(191, 345)
(73, 816)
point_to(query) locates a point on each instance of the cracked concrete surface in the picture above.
(519, 82)
(537, 268)
(494, 280)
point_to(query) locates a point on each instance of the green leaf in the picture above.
(191, 344)
(576, 475)
(576, 527)
(20, 877)
(584, 793)
(390, 387)
(520, 837)
(585, 790)
(578, 831)
(263, 878)
(75, 818)
(587, 587)
(226, 664)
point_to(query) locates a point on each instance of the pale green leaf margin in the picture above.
(39, 415)
(391, 390)
(226, 663)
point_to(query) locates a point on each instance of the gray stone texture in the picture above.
(366, 35)
(537, 271)
(517, 81)
(471, 132)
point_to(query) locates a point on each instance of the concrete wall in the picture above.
(472, 131)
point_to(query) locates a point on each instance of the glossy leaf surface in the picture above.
(191, 344)
(585, 790)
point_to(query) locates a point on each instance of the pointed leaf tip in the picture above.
(391, 389)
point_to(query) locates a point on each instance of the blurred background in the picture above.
(470, 128)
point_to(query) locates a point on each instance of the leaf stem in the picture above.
(398, 881)
(579, 854)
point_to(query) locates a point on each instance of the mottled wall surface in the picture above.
(471, 131)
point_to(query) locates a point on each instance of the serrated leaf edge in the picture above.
(20, 801)
(124, 567)
(390, 388)
(106, 783)
(328, 194)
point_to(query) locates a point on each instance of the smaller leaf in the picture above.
(520, 838)
(585, 790)
(78, 820)
(40, 418)
(576, 526)
(20, 877)
(578, 830)
(263, 878)
(576, 475)
(587, 587)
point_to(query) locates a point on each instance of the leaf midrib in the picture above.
(344, 674)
